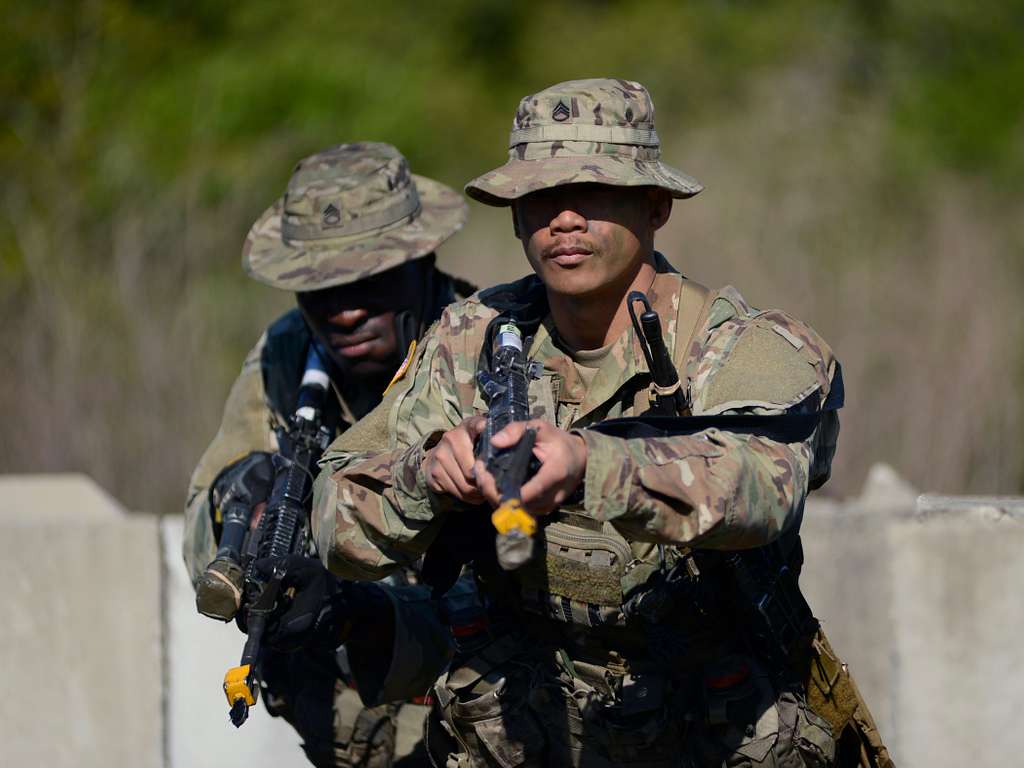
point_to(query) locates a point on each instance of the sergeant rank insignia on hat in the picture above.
(332, 216)
(561, 112)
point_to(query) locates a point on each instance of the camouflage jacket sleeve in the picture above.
(372, 509)
(245, 427)
(717, 489)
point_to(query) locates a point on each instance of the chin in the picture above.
(361, 366)
(369, 368)
(569, 282)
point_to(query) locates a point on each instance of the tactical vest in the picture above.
(671, 609)
(589, 574)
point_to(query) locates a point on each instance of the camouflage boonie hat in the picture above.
(599, 131)
(349, 212)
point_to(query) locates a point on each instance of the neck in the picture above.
(361, 393)
(596, 319)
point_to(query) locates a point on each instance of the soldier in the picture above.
(354, 237)
(659, 622)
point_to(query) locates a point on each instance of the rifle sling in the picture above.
(794, 427)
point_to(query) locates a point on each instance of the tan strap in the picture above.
(694, 303)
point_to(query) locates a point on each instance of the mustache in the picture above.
(350, 339)
(569, 245)
(367, 329)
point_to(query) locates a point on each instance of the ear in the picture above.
(661, 206)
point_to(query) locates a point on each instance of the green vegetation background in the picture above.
(863, 163)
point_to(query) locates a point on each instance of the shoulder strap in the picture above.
(282, 361)
(694, 301)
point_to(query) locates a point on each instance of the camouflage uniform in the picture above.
(349, 212)
(566, 676)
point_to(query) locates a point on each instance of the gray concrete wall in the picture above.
(80, 631)
(922, 597)
(200, 651)
(106, 663)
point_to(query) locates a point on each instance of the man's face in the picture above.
(356, 322)
(580, 238)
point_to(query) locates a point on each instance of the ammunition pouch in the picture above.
(584, 576)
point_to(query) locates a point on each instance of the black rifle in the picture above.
(505, 388)
(283, 529)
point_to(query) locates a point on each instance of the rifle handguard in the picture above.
(282, 530)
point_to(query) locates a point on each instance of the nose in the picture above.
(568, 220)
(348, 318)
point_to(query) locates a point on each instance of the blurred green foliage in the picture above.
(119, 96)
(138, 139)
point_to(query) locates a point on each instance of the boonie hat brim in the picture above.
(306, 265)
(517, 177)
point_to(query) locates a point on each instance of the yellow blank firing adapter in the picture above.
(511, 516)
(236, 685)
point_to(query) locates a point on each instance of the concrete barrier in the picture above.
(106, 662)
(80, 635)
(921, 597)
(199, 652)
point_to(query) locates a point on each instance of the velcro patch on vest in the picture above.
(763, 368)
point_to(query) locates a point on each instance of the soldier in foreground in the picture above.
(354, 237)
(655, 618)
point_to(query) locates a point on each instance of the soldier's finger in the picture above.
(542, 502)
(434, 468)
(541, 488)
(433, 474)
(485, 484)
(475, 426)
(465, 489)
(459, 476)
(440, 481)
(461, 444)
(510, 435)
(535, 499)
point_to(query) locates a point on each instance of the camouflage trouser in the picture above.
(508, 706)
(336, 730)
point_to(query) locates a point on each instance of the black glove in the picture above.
(316, 615)
(248, 480)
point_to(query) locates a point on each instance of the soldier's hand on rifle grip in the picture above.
(563, 463)
(312, 612)
(448, 466)
(247, 480)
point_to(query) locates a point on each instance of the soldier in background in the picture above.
(354, 237)
(648, 629)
